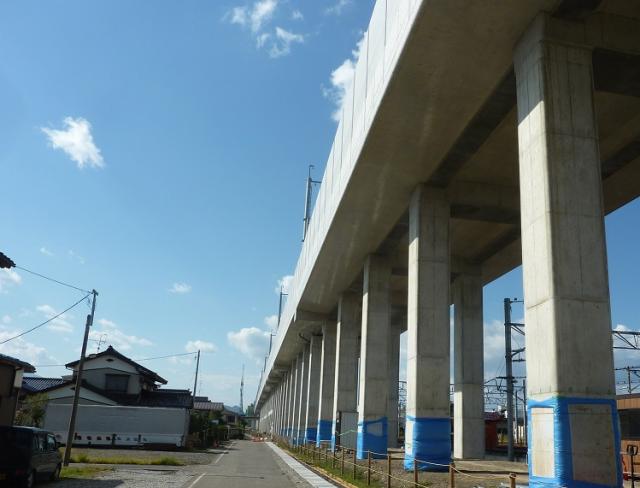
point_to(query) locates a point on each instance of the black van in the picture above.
(28, 454)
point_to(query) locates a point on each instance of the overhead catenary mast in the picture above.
(307, 203)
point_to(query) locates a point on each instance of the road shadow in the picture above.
(84, 483)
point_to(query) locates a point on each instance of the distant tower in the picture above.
(242, 390)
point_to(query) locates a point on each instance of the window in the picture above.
(630, 423)
(38, 443)
(117, 382)
(51, 443)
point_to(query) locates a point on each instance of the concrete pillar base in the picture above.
(562, 433)
(372, 437)
(427, 441)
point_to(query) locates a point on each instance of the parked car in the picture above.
(28, 454)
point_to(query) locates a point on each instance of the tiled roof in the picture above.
(157, 398)
(16, 362)
(34, 384)
(215, 406)
(110, 351)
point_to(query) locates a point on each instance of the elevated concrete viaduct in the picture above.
(477, 136)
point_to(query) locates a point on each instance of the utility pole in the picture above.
(76, 394)
(195, 383)
(307, 203)
(509, 376)
(242, 391)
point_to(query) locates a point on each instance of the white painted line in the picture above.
(196, 481)
(302, 471)
(225, 452)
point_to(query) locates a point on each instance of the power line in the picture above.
(52, 279)
(46, 321)
(138, 360)
(168, 356)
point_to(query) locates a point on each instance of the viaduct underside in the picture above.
(477, 137)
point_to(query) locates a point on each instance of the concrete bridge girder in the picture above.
(476, 161)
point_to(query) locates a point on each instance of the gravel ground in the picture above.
(186, 457)
(123, 478)
(485, 474)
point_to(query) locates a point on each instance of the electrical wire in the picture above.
(46, 321)
(52, 279)
(169, 356)
(137, 360)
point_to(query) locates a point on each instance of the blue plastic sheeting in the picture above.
(563, 456)
(324, 432)
(372, 436)
(428, 440)
(310, 435)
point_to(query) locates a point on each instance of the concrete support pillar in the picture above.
(428, 426)
(327, 383)
(345, 399)
(285, 405)
(574, 435)
(373, 409)
(280, 393)
(394, 381)
(468, 355)
(293, 399)
(303, 386)
(313, 389)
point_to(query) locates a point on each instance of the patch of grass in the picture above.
(81, 472)
(319, 462)
(159, 461)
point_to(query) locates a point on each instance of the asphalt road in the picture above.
(246, 464)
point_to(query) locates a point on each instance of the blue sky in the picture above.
(157, 152)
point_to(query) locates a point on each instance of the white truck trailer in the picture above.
(102, 425)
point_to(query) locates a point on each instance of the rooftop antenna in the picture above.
(307, 202)
(100, 341)
(242, 390)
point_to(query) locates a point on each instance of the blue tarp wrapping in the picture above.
(372, 436)
(563, 455)
(324, 432)
(427, 440)
(310, 435)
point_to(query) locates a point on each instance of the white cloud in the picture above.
(198, 345)
(257, 18)
(251, 342)
(342, 80)
(46, 251)
(76, 140)
(262, 13)
(59, 324)
(337, 7)
(73, 255)
(282, 45)
(22, 349)
(180, 288)
(238, 15)
(110, 333)
(6, 319)
(8, 279)
(271, 321)
(262, 39)
(284, 284)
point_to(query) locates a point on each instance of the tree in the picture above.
(31, 412)
(251, 409)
